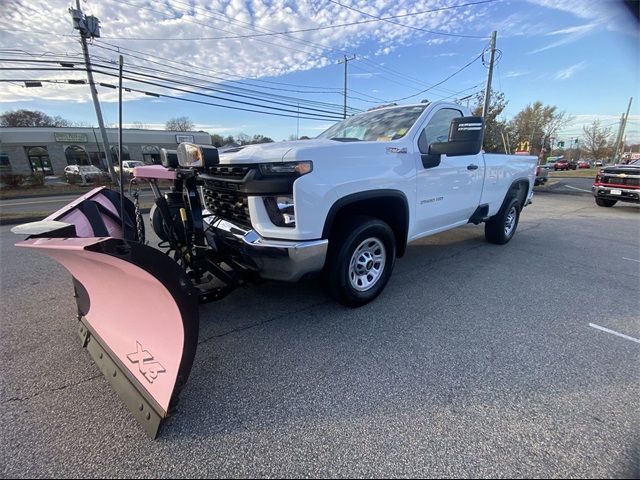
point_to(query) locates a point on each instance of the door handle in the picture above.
(472, 167)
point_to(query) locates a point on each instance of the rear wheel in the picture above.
(500, 228)
(605, 202)
(360, 261)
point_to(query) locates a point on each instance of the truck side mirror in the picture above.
(465, 138)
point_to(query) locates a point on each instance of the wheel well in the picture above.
(390, 207)
(518, 189)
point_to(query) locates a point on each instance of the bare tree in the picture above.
(180, 124)
(243, 139)
(31, 118)
(494, 128)
(536, 124)
(597, 140)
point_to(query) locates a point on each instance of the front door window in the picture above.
(39, 160)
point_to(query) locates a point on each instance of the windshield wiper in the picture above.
(345, 139)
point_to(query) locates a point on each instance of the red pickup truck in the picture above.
(565, 165)
(619, 183)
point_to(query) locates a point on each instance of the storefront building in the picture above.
(25, 150)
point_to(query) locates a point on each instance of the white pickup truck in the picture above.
(345, 205)
(348, 202)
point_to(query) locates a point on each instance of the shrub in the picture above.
(36, 179)
(12, 180)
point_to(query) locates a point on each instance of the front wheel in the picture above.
(360, 261)
(500, 228)
(605, 202)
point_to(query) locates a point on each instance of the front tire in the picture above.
(360, 261)
(500, 228)
(605, 202)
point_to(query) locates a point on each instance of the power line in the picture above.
(155, 94)
(294, 101)
(174, 62)
(442, 81)
(209, 26)
(387, 20)
(314, 29)
(323, 114)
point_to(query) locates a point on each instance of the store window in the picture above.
(151, 155)
(5, 164)
(125, 153)
(39, 160)
(76, 155)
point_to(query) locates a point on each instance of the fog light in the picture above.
(281, 210)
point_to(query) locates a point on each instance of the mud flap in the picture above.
(138, 309)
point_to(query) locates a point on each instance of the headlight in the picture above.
(281, 210)
(288, 168)
(197, 156)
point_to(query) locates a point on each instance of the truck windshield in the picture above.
(377, 125)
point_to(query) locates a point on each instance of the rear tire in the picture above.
(361, 257)
(500, 228)
(605, 202)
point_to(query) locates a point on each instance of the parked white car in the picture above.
(128, 166)
(83, 174)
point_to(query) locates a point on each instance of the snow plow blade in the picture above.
(137, 308)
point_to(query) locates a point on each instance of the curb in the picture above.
(26, 219)
(38, 195)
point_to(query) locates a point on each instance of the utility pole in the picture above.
(121, 178)
(90, 27)
(487, 90)
(623, 126)
(346, 61)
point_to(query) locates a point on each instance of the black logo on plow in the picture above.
(146, 365)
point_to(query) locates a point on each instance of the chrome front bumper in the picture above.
(624, 195)
(273, 259)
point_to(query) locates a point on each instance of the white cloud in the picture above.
(516, 73)
(363, 75)
(574, 129)
(567, 73)
(569, 35)
(610, 14)
(40, 26)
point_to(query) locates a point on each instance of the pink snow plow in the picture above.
(137, 308)
(137, 305)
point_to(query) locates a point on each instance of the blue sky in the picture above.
(579, 55)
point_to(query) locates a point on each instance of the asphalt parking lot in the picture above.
(478, 360)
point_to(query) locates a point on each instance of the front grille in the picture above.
(227, 205)
(237, 172)
(616, 180)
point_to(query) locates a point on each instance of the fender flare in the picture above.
(357, 197)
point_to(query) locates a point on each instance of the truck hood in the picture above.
(314, 149)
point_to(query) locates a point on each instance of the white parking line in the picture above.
(15, 204)
(631, 259)
(576, 188)
(613, 332)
